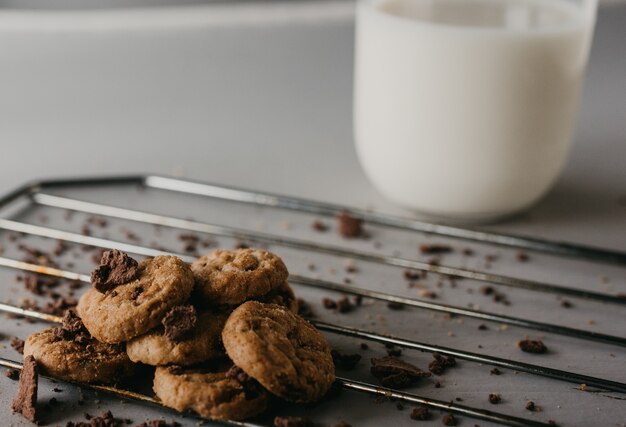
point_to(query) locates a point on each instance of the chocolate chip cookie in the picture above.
(203, 343)
(279, 349)
(208, 392)
(83, 360)
(133, 308)
(231, 277)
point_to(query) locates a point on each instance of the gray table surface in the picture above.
(267, 105)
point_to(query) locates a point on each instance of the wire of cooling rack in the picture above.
(223, 231)
(34, 193)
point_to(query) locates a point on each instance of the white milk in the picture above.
(465, 108)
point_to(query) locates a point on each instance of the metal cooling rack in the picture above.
(49, 194)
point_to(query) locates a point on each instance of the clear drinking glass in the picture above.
(465, 109)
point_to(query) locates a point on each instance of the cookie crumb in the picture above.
(12, 374)
(566, 304)
(304, 309)
(441, 363)
(349, 226)
(495, 371)
(494, 398)
(421, 413)
(319, 226)
(449, 420)
(530, 406)
(435, 249)
(532, 346)
(17, 344)
(345, 361)
(179, 322)
(25, 402)
(116, 268)
(522, 257)
(293, 422)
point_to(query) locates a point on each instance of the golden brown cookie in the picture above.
(132, 309)
(203, 343)
(231, 277)
(210, 393)
(281, 350)
(84, 360)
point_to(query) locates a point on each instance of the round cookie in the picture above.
(133, 308)
(204, 343)
(282, 351)
(90, 362)
(210, 394)
(231, 277)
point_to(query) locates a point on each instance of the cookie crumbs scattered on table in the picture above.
(532, 346)
(349, 226)
(494, 398)
(420, 413)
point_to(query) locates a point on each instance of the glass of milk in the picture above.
(465, 109)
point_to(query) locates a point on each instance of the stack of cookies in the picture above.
(223, 333)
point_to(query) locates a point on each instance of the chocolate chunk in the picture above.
(486, 290)
(116, 268)
(495, 371)
(449, 420)
(72, 329)
(293, 422)
(304, 309)
(413, 275)
(482, 327)
(344, 305)
(421, 413)
(12, 374)
(532, 346)
(436, 367)
(566, 304)
(136, 292)
(179, 322)
(393, 372)
(345, 361)
(17, 344)
(236, 373)
(349, 226)
(319, 226)
(329, 304)
(494, 398)
(251, 387)
(441, 363)
(530, 406)
(25, 402)
(433, 249)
